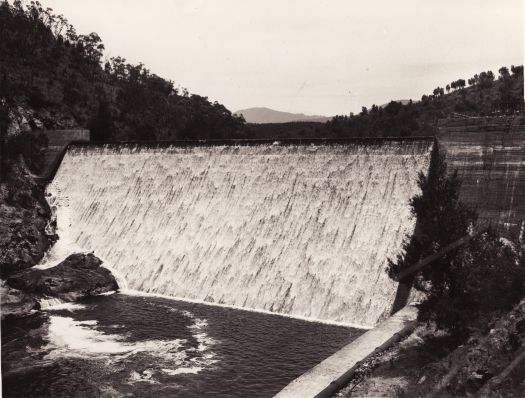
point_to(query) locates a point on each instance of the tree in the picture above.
(456, 284)
(503, 73)
(92, 46)
(441, 219)
(448, 88)
(486, 79)
(71, 34)
(118, 66)
(517, 70)
(508, 102)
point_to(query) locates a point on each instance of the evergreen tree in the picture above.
(456, 283)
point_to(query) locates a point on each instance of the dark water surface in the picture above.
(128, 346)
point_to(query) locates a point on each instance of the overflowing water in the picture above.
(298, 230)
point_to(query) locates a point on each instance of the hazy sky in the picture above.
(313, 56)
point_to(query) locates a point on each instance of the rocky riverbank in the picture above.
(77, 277)
(16, 303)
(27, 230)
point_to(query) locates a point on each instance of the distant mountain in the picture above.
(266, 115)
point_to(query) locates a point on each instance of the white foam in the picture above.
(55, 304)
(50, 302)
(73, 338)
(191, 370)
(68, 337)
(145, 377)
(185, 313)
(199, 323)
(204, 341)
(81, 339)
(110, 293)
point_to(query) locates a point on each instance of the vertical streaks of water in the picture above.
(304, 230)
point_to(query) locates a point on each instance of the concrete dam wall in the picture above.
(57, 141)
(304, 230)
(489, 155)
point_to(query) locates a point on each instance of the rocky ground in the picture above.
(430, 364)
(26, 233)
(26, 230)
(77, 277)
(16, 303)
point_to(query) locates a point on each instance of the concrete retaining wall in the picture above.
(335, 371)
(58, 140)
(489, 155)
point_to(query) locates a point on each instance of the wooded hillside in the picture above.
(61, 75)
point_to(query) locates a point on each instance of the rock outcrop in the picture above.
(16, 303)
(77, 277)
(25, 229)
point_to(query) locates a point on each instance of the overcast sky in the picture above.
(312, 56)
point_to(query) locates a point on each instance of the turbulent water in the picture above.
(126, 346)
(299, 230)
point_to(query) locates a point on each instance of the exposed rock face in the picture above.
(78, 276)
(489, 155)
(15, 303)
(24, 118)
(25, 229)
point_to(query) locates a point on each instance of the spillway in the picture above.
(303, 230)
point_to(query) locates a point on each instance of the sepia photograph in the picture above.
(256, 199)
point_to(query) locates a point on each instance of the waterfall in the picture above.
(304, 230)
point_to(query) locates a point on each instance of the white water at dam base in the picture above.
(300, 230)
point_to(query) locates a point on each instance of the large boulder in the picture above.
(77, 277)
(15, 303)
